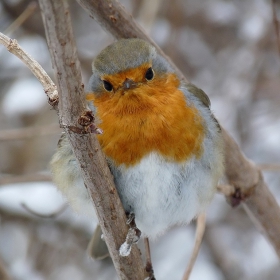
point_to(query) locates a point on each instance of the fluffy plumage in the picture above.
(162, 143)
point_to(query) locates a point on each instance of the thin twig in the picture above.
(149, 265)
(148, 251)
(37, 70)
(29, 132)
(200, 228)
(30, 9)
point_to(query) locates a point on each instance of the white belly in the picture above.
(163, 194)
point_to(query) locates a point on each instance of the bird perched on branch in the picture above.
(162, 143)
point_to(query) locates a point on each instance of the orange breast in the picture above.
(153, 117)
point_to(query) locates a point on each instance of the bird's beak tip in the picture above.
(128, 84)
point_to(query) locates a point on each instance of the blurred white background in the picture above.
(227, 48)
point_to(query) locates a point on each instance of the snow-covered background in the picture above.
(229, 49)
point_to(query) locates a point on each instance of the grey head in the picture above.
(123, 55)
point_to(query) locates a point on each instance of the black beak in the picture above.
(128, 84)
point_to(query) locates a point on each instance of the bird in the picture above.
(162, 143)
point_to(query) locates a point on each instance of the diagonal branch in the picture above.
(96, 174)
(30, 9)
(112, 16)
(250, 188)
(37, 70)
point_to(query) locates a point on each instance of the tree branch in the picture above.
(37, 70)
(247, 180)
(95, 171)
(112, 16)
(30, 9)
(252, 191)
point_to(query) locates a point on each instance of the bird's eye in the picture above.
(149, 74)
(108, 86)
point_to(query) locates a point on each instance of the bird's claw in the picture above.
(132, 236)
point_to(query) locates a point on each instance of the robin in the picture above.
(161, 141)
